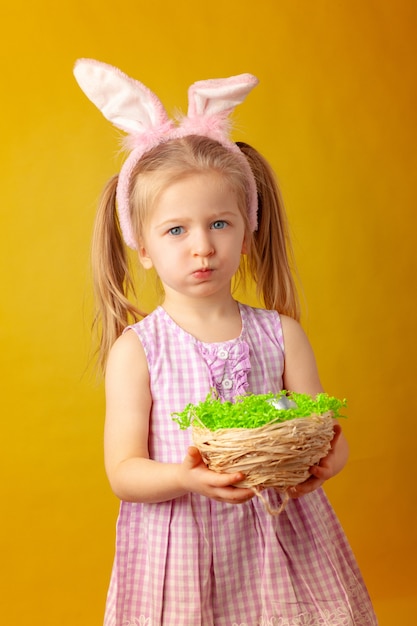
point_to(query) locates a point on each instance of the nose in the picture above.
(202, 244)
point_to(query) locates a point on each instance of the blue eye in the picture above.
(219, 224)
(176, 230)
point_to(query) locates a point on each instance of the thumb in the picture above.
(192, 458)
(337, 429)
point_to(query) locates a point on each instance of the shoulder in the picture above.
(295, 338)
(291, 328)
(149, 331)
(263, 317)
(127, 345)
(127, 360)
(300, 371)
(146, 324)
(260, 315)
(263, 325)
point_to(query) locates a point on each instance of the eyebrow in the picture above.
(221, 215)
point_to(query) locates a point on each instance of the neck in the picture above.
(210, 319)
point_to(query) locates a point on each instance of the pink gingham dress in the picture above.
(193, 561)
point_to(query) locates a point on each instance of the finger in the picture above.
(234, 496)
(192, 458)
(194, 452)
(322, 471)
(309, 485)
(317, 471)
(237, 478)
(228, 480)
(337, 429)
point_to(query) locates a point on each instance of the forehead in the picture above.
(197, 192)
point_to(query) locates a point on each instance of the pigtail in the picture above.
(112, 281)
(271, 259)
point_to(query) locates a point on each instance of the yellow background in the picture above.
(335, 113)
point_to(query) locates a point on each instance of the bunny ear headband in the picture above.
(133, 108)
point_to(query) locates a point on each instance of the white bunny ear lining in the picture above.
(211, 97)
(135, 109)
(125, 102)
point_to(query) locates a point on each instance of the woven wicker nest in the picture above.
(277, 453)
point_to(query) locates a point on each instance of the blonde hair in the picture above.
(269, 254)
(271, 258)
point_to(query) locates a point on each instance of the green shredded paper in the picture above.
(253, 411)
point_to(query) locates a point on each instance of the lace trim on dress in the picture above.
(228, 363)
(340, 616)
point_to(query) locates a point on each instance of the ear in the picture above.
(245, 245)
(144, 258)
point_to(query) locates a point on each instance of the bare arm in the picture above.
(132, 474)
(301, 375)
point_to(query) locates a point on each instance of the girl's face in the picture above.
(194, 237)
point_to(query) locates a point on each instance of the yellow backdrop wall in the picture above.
(335, 114)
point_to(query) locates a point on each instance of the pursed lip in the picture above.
(202, 272)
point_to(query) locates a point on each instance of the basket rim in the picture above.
(275, 424)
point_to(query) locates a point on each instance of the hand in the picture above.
(328, 466)
(196, 477)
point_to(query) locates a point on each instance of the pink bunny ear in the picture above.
(210, 103)
(132, 107)
(219, 96)
(135, 109)
(125, 102)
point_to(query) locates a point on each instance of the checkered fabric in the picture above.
(192, 561)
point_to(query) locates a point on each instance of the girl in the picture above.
(193, 548)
